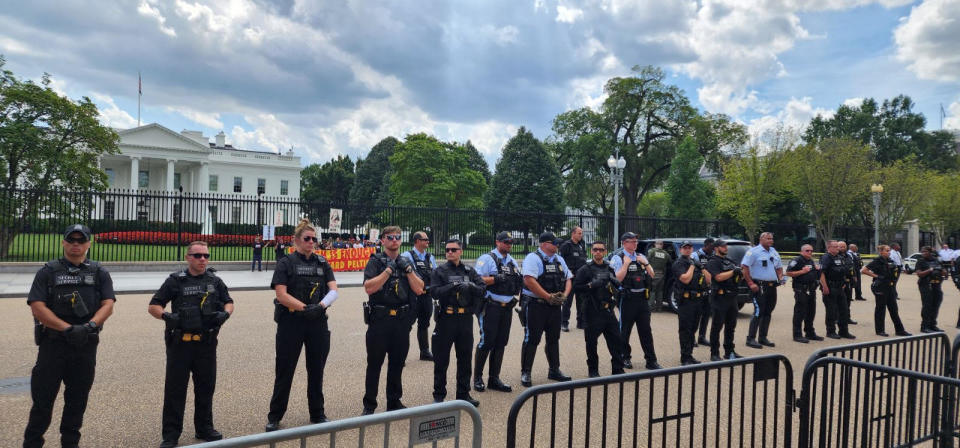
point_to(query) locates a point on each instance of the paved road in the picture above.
(126, 399)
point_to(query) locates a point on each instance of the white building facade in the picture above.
(155, 162)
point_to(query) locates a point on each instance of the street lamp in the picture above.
(876, 189)
(616, 165)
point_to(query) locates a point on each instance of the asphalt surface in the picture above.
(125, 403)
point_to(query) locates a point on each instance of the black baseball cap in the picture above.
(719, 243)
(504, 237)
(709, 241)
(77, 228)
(548, 237)
(686, 243)
(628, 235)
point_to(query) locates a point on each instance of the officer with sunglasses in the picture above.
(70, 298)
(764, 273)
(200, 304)
(423, 263)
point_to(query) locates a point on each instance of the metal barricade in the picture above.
(428, 424)
(845, 402)
(744, 402)
(924, 353)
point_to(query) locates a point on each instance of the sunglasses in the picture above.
(73, 240)
(452, 249)
(807, 250)
(424, 239)
(598, 249)
(311, 238)
(392, 237)
(199, 256)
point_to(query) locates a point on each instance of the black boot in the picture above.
(754, 326)
(764, 327)
(527, 352)
(553, 360)
(479, 359)
(496, 360)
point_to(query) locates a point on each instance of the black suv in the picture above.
(736, 249)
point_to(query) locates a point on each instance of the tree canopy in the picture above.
(329, 182)
(429, 173)
(690, 196)
(372, 182)
(526, 179)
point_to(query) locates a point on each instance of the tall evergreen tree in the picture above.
(526, 179)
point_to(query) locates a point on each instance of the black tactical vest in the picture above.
(74, 292)
(731, 283)
(511, 287)
(307, 279)
(807, 279)
(394, 292)
(423, 267)
(889, 274)
(636, 277)
(698, 282)
(834, 268)
(552, 279)
(197, 299)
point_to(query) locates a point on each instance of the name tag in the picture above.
(457, 279)
(67, 280)
(308, 270)
(837, 262)
(89, 279)
(658, 255)
(632, 267)
(551, 268)
(576, 254)
(190, 290)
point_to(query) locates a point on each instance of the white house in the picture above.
(155, 161)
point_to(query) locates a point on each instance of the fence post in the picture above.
(180, 222)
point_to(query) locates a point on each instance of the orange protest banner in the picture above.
(345, 259)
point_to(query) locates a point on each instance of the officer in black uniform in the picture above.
(884, 272)
(392, 285)
(690, 289)
(597, 284)
(574, 253)
(833, 278)
(70, 298)
(546, 281)
(424, 263)
(502, 275)
(854, 252)
(726, 276)
(703, 255)
(633, 270)
(305, 286)
(458, 290)
(200, 305)
(848, 280)
(806, 276)
(930, 275)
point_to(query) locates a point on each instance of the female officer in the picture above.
(305, 288)
(884, 273)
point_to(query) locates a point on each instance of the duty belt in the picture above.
(456, 310)
(935, 281)
(390, 311)
(192, 337)
(539, 300)
(635, 290)
(879, 282)
(767, 283)
(606, 305)
(509, 304)
(692, 294)
(804, 285)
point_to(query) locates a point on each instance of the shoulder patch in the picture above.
(322, 258)
(793, 263)
(480, 262)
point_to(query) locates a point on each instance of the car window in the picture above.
(736, 251)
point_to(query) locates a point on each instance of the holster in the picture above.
(481, 308)
(522, 309)
(173, 336)
(79, 306)
(436, 310)
(366, 313)
(38, 332)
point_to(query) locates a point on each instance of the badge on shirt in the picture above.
(88, 279)
(658, 254)
(551, 268)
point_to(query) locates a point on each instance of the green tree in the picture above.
(476, 161)
(46, 141)
(690, 196)
(429, 173)
(892, 130)
(829, 178)
(526, 179)
(580, 148)
(935, 210)
(372, 182)
(330, 182)
(655, 203)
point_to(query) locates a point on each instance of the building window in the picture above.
(235, 215)
(213, 182)
(109, 208)
(176, 181)
(111, 176)
(284, 187)
(261, 186)
(237, 184)
(144, 180)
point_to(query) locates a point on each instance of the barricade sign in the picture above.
(431, 428)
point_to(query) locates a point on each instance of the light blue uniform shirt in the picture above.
(420, 256)
(487, 266)
(617, 261)
(896, 258)
(754, 259)
(533, 266)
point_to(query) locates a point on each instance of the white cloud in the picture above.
(210, 120)
(567, 14)
(853, 102)
(953, 116)
(148, 10)
(796, 114)
(928, 40)
(110, 114)
(13, 46)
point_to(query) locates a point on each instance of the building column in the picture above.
(204, 178)
(134, 172)
(913, 237)
(170, 171)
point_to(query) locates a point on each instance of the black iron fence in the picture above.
(136, 225)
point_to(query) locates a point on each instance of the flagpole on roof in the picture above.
(139, 94)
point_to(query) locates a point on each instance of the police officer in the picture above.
(392, 285)
(833, 275)
(458, 289)
(725, 276)
(763, 273)
(806, 276)
(70, 298)
(423, 264)
(930, 275)
(703, 256)
(200, 304)
(546, 283)
(660, 261)
(634, 272)
(884, 273)
(574, 253)
(690, 289)
(502, 275)
(854, 252)
(848, 279)
(596, 282)
(306, 288)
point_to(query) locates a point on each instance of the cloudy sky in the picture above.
(329, 78)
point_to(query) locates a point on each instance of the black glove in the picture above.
(404, 264)
(463, 288)
(92, 327)
(313, 311)
(220, 317)
(76, 335)
(501, 279)
(738, 272)
(172, 320)
(393, 266)
(477, 290)
(598, 283)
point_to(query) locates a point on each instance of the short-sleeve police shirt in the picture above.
(41, 285)
(487, 266)
(763, 263)
(533, 266)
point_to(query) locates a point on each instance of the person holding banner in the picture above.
(305, 288)
(424, 264)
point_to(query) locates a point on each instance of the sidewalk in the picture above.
(18, 285)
